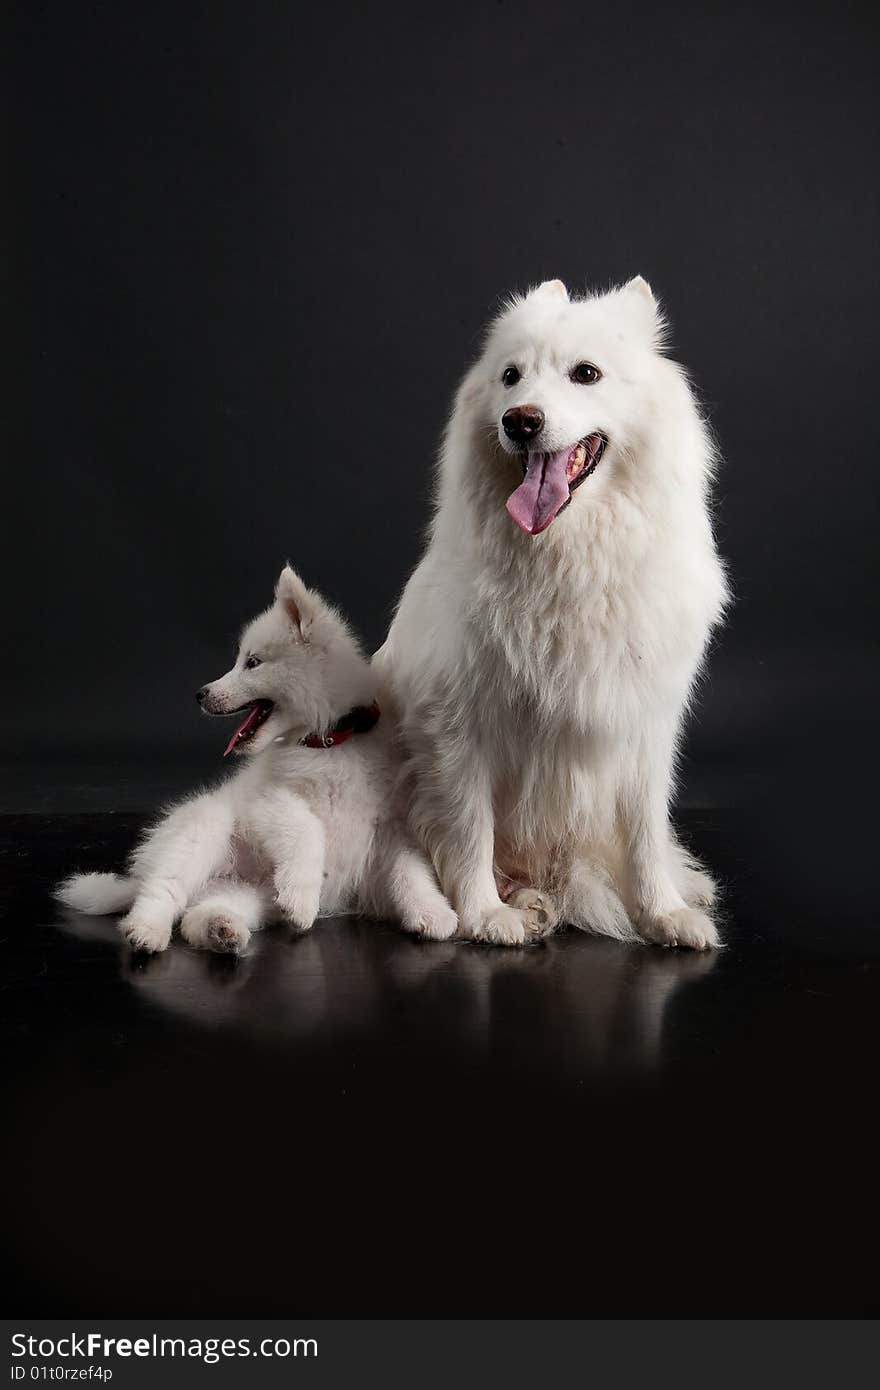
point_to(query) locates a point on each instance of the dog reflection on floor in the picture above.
(596, 1006)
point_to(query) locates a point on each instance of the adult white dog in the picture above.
(545, 648)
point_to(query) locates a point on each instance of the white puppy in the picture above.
(311, 825)
(544, 650)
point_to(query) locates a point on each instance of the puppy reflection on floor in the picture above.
(598, 1007)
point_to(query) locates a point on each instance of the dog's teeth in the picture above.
(576, 461)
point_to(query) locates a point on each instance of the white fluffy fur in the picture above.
(541, 680)
(299, 832)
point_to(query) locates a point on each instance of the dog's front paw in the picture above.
(686, 926)
(298, 902)
(504, 926)
(144, 933)
(538, 908)
(435, 924)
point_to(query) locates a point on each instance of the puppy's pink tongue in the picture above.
(243, 729)
(542, 492)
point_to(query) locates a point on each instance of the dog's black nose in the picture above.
(522, 422)
(200, 694)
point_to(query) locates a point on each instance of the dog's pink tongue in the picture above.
(541, 493)
(244, 726)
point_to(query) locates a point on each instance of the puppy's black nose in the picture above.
(200, 694)
(522, 422)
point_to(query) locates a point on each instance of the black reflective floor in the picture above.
(355, 1123)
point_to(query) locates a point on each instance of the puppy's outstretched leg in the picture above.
(294, 840)
(224, 919)
(184, 850)
(416, 898)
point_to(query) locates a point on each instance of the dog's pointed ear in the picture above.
(645, 313)
(638, 286)
(296, 600)
(551, 289)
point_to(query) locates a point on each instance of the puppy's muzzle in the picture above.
(209, 703)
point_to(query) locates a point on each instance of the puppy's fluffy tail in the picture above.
(99, 894)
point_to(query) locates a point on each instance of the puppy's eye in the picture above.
(585, 374)
(251, 662)
(510, 376)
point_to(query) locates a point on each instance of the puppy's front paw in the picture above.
(686, 926)
(298, 902)
(144, 933)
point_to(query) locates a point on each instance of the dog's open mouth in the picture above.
(549, 481)
(254, 715)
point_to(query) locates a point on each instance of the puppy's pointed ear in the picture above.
(551, 289)
(296, 600)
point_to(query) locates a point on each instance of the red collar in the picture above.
(359, 720)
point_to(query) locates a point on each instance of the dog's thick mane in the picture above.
(614, 565)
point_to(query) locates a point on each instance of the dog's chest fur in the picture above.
(569, 644)
(582, 635)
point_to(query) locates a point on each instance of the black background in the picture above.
(253, 251)
(256, 248)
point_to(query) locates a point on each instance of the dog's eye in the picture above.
(252, 661)
(585, 374)
(510, 376)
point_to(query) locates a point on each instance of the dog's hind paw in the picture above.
(698, 888)
(538, 908)
(686, 926)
